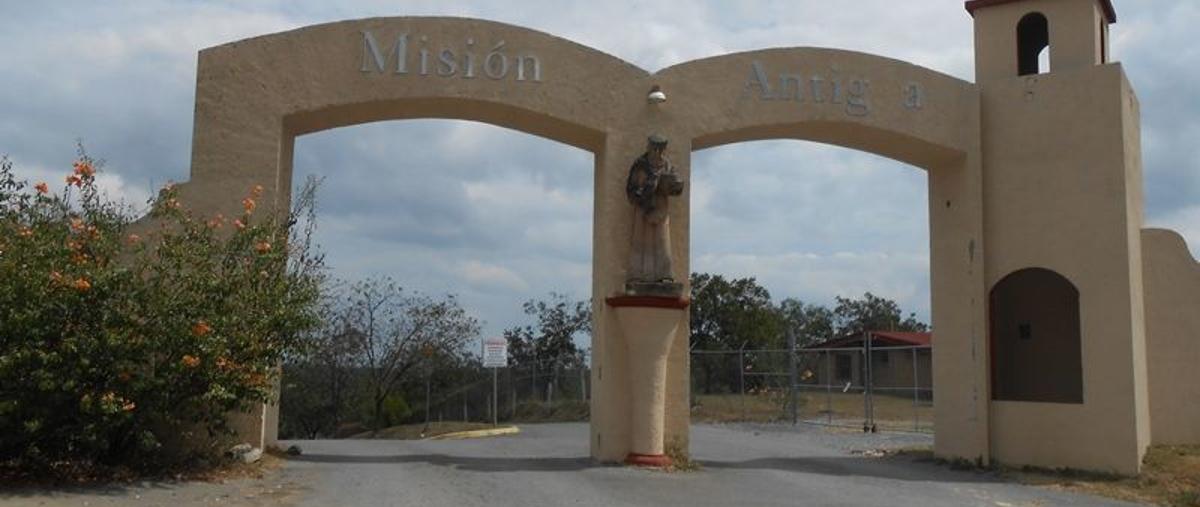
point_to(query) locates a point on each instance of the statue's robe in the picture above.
(650, 244)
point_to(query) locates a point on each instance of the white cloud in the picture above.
(110, 184)
(430, 201)
(481, 273)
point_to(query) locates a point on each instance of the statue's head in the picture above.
(656, 146)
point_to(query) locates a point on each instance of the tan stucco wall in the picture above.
(1040, 171)
(1172, 281)
(1075, 36)
(1059, 195)
(647, 335)
(898, 371)
(255, 96)
(939, 133)
(825, 370)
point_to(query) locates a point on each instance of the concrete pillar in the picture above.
(648, 329)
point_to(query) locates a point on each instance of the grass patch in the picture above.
(722, 408)
(559, 411)
(891, 412)
(680, 460)
(1170, 476)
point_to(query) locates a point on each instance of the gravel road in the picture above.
(547, 465)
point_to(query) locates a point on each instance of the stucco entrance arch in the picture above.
(255, 96)
(1044, 170)
(886, 107)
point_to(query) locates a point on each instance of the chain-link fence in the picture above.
(547, 390)
(869, 387)
(834, 386)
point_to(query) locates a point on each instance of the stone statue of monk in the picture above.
(651, 181)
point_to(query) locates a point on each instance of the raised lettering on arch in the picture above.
(417, 55)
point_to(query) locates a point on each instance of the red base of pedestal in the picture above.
(648, 460)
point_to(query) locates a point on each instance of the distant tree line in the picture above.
(738, 313)
(381, 350)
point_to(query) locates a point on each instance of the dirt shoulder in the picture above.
(1170, 477)
(256, 484)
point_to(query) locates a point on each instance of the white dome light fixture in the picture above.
(656, 95)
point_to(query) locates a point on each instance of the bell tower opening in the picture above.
(1033, 44)
(1027, 37)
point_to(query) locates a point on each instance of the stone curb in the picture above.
(459, 435)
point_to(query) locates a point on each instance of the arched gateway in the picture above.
(1037, 171)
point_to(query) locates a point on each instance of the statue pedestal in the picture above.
(648, 325)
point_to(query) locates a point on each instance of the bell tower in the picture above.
(1012, 35)
(1061, 164)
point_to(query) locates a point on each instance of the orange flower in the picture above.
(256, 379)
(134, 238)
(76, 224)
(257, 191)
(249, 204)
(82, 285)
(262, 247)
(42, 187)
(74, 180)
(84, 169)
(201, 328)
(239, 224)
(128, 406)
(190, 361)
(56, 277)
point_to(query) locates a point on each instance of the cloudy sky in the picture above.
(498, 216)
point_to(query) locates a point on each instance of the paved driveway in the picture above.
(547, 465)
(741, 465)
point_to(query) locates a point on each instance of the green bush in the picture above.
(116, 344)
(395, 411)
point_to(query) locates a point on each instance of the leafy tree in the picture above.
(396, 332)
(729, 315)
(549, 343)
(811, 323)
(872, 313)
(559, 322)
(319, 385)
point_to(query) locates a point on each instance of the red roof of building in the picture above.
(904, 338)
(889, 338)
(972, 5)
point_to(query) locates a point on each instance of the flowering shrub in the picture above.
(119, 341)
